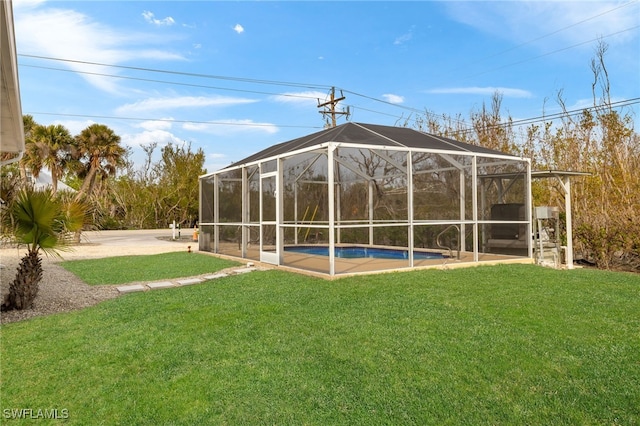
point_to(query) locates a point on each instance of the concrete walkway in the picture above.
(181, 282)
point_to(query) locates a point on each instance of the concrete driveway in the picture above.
(121, 243)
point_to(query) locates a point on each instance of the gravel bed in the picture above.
(59, 290)
(62, 291)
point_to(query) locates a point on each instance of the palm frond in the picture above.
(43, 222)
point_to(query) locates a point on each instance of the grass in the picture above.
(126, 269)
(512, 344)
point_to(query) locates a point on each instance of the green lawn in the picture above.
(504, 345)
(126, 269)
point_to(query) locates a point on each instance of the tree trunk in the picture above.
(24, 288)
(87, 185)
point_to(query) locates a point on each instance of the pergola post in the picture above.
(566, 185)
(529, 210)
(563, 177)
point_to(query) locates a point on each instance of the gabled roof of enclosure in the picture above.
(369, 134)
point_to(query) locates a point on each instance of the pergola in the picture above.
(363, 198)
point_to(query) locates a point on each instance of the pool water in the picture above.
(364, 252)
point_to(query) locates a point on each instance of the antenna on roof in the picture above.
(330, 108)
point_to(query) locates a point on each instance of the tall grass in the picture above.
(489, 345)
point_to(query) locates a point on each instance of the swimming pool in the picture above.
(356, 252)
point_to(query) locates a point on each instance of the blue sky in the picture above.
(238, 77)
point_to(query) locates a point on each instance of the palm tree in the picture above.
(29, 124)
(100, 154)
(42, 223)
(48, 146)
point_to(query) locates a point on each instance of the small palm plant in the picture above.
(42, 223)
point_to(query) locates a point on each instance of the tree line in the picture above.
(99, 169)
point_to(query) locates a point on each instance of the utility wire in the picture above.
(516, 123)
(551, 53)
(542, 36)
(310, 86)
(167, 82)
(495, 69)
(551, 117)
(291, 95)
(303, 85)
(170, 120)
(189, 74)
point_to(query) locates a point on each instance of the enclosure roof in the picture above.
(369, 134)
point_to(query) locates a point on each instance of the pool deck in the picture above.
(318, 265)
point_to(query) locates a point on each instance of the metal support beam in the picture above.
(331, 202)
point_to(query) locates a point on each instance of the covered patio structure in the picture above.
(362, 198)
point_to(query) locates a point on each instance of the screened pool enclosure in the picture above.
(363, 198)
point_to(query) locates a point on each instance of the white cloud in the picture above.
(231, 126)
(67, 34)
(404, 37)
(238, 28)
(152, 104)
(504, 91)
(150, 18)
(161, 137)
(589, 102)
(394, 99)
(26, 4)
(75, 126)
(163, 124)
(308, 98)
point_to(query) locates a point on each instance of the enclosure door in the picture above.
(268, 215)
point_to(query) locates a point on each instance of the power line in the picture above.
(291, 84)
(168, 82)
(504, 66)
(189, 74)
(551, 117)
(517, 123)
(411, 109)
(226, 88)
(170, 120)
(543, 36)
(552, 52)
